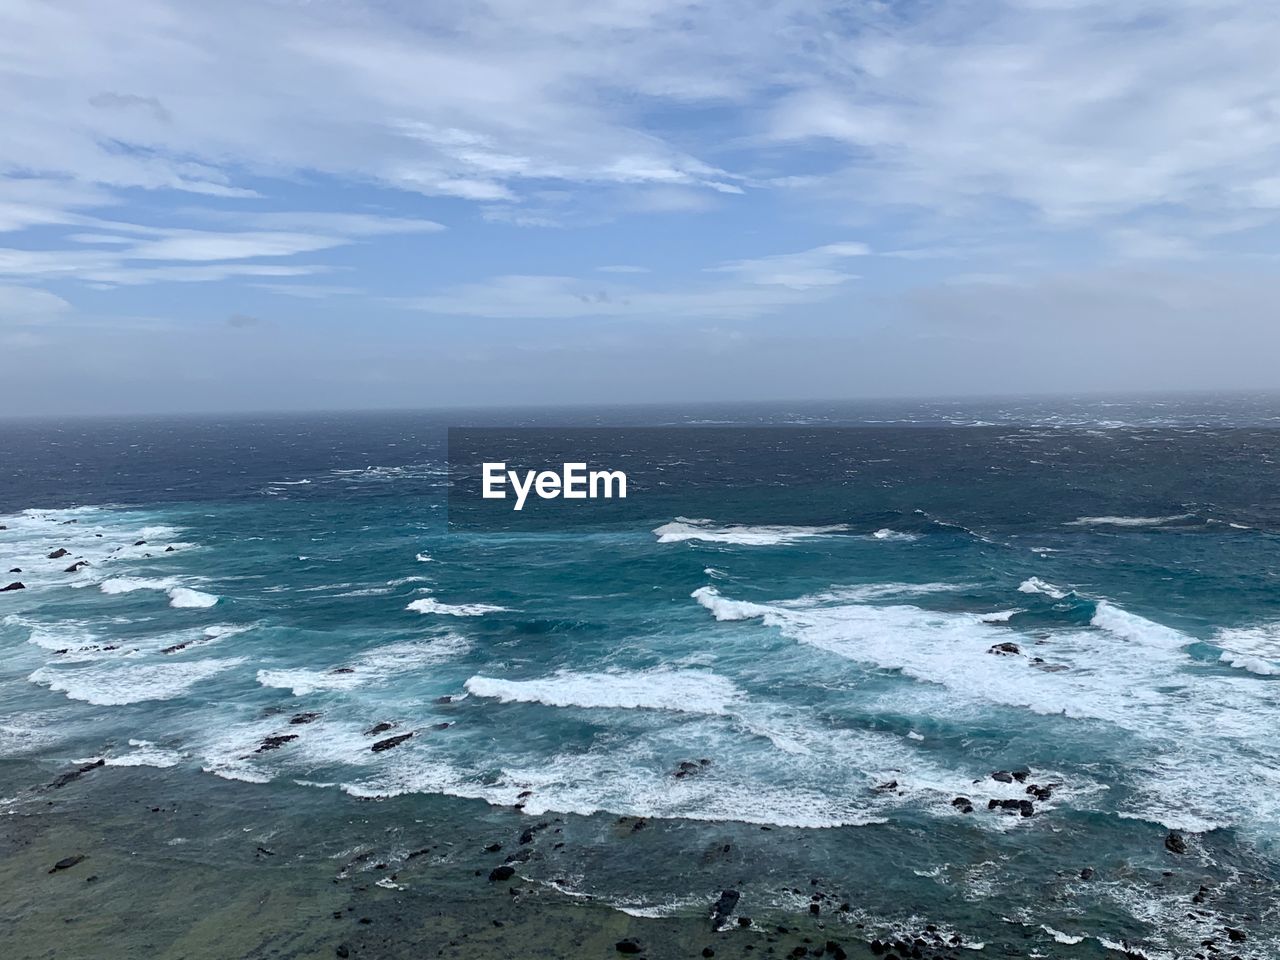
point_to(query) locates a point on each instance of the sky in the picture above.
(327, 204)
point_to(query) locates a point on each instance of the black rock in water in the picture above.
(1175, 842)
(275, 742)
(66, 863)
(723, 907)
(69, 776)
(16, 585)
(378, 728)
(1004, 776)
(390, 742)
(299, 718)
(499, 874)
(628, 946)
(59, 553)
(13, 569)
(1005, 649)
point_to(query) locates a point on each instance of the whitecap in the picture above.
(681, 691)
(430, 605)
(1036, 585)
(684, 528)
(1128, 521)
(115, 686)
(186, 597)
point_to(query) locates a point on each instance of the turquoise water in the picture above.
(815, 651)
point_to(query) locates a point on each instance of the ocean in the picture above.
(1009, 670)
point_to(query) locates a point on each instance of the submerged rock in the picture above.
(1175, 842)
(499, 874)
(378, 728)
(299, 718)
(70, 775)
(628, 945)
(66, 863)
(75, 567)
(1005, 649)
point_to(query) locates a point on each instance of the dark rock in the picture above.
(343, 670)
(378, 728)
(66, 863)
(723, 907)
(59, 553)
(1021, 774)
(628, 946)
(275, 742)
(1005, 649)
(836, 951)
(1086, 873)
(499, 874)
(1004, 776)
(390, 742)
(1175, 842)
(15, 569)
(68, 777)
(16, 585)
(342, 950)
(887, 785)
(815, 909)
(493, 847)
(299, 718)
(139, 543)
(1039, 792)
(744, 921)
(175, 648)
(1234, 935)
(708, 952)
(1026, 808)
(75, 567)
(168, 549)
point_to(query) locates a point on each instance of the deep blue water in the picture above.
(816, 627)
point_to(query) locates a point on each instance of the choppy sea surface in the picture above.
(1082, 597)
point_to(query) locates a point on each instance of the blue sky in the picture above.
(350, 203)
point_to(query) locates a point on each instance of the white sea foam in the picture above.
(1036, 585)
(1134, 628)
(1196, 739)
(380, 663)
(682, 691)
(423, 557)
(1128, 521)
(1254, 648)
(131, 584)
(159, 532)
(431, 605)
(685, 528)
(1264, 668)
(186, 597)
(115, 686)
(886, 534)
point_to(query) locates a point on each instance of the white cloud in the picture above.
(818, 267)
(764, 286)
(23, 306)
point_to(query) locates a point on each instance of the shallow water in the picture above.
(820, 637)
